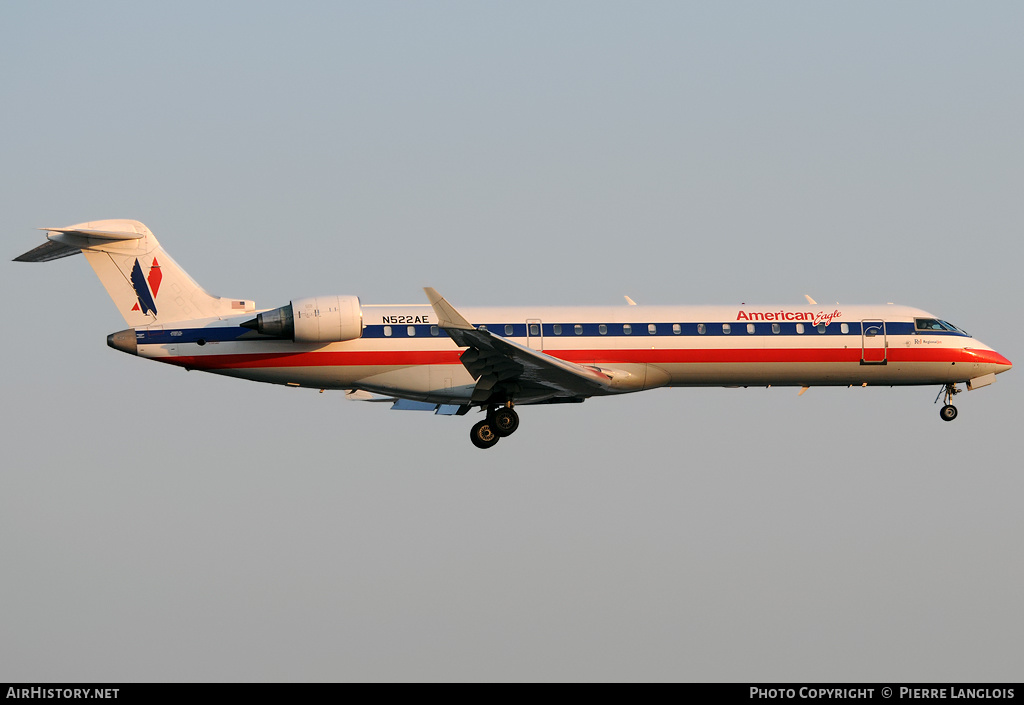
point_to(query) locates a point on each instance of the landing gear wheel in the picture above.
(506, 421)
(948, 412)
(482, 434)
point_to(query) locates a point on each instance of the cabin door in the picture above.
(873, 343)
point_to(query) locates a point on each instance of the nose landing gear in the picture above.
(500, 422)
(948, 412)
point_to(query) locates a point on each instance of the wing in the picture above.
(505, 370)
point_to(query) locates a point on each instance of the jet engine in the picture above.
(318, 319)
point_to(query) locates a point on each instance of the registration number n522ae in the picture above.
(405, 319)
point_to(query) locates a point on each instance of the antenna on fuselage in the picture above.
(811, 301)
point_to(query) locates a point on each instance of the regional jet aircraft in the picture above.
(446, 360)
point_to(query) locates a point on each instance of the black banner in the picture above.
(879, 692)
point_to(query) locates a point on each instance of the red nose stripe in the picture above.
(990, 357)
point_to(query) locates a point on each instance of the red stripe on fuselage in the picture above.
(315, 359)
(406, 358)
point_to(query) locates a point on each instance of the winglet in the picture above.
(447, 316)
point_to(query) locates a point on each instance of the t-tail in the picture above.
(147, 286)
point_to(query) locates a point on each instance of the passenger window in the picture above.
(387, 331)
(776, 328)
(578, 329)
(557, 329)
(602, 329)
(433, 331)
(821, 327)
(726, 328)
(652, 329)
(534, 329)
(627, 329)
(411, 330)
(508, 329)
(800, 328)
(750, 328)
(845, 328)
(701, 328)
(677, 329)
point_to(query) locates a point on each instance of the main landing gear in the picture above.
(500, 422)
(948, 411)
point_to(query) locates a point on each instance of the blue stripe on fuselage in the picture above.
(666, 329)
(590, 330)
(194, 335)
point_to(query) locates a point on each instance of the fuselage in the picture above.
(447, 359)
(403, 352)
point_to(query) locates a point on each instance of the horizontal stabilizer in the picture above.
(57, 247)
(47, 252)
(99, 234)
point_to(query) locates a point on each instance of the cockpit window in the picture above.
(958, 329)
(936, 324)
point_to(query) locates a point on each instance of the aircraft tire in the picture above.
(948, 412)
(482, 434)
(505, 422)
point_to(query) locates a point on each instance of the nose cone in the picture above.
(999, 361)
(993, 361)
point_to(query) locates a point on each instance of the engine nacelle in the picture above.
(318, 319)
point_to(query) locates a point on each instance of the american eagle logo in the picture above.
(146, 288)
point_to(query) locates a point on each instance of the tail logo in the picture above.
(146, 288)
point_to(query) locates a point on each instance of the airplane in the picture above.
(435, 357)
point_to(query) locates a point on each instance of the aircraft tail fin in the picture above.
(146, 285)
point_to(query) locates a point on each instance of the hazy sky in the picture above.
(163, 525)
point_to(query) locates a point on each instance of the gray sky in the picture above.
(163, 525)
